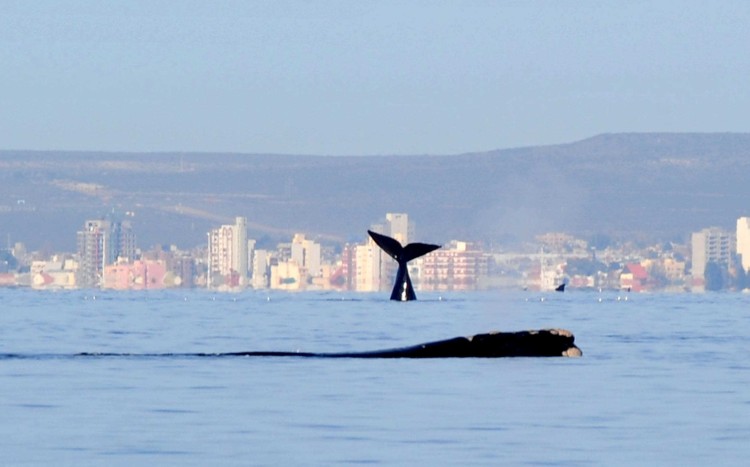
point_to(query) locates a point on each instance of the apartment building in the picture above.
(456, 266)
(228, 256)
(711, 245)
(99, 244)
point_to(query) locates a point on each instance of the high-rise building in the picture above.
(396, 225)
(346, 275)
(399, 227)
(367, 260)
(711, 245)
(306, 253)
(743, 241)
(99, 244)
(227, 255)
(250, 258)
(123, 240)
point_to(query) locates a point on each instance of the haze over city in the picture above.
(584, 119)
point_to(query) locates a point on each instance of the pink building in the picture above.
(138, 275)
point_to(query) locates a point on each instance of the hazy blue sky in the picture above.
(365, 77)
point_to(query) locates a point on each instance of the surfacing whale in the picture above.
(402, 289)
(540, 343)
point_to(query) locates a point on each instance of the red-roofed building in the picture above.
(634, 277)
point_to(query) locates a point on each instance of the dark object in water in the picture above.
(560, 288)
(541, 343)
(402, 289)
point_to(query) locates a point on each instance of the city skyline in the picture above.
(107, 258)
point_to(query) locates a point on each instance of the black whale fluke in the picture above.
(402, 289)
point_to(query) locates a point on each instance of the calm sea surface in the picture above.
(664, 380)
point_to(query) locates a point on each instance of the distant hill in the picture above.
(653, 185)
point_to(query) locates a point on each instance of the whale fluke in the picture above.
(402, 289)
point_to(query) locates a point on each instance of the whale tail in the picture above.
(402, 289)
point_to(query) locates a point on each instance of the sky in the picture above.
(365, 77)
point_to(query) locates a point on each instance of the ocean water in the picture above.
(664, 380)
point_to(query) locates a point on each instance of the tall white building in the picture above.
(743, 241)
(712, 244)
(227, 255)
(398, 227)
(306, 253)
(367, 275)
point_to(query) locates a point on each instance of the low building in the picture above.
(53, 275)
(138, 275)
(634, 277)
(8, 279)
(287, 275)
